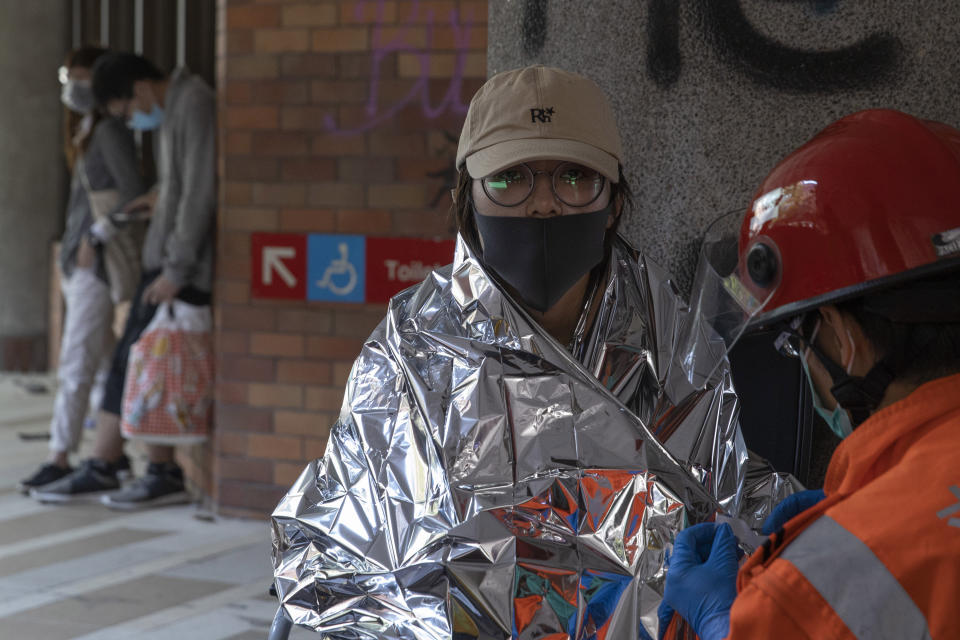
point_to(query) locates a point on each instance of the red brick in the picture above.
(253, 66)
(323, 398)
(230, 264)
(414, 169)
(426, 223)
(275, 395)
(248, 318)
(287, 473)
(339, 91)
(450, 38)
(232, 342)
(302, 423)
(365, 12)
(248, 469)
(303, 371)
(250, 498)
(474, 12)
(251, 16)
(341, 39)
(364, 221)
(281, 40)
(333, 348)
(336, 194)
(358, 324)
(312, 170)
(397, 196)
(240, 42)
(231, 392)
(250, 219)
(341, 373)
(366, 169)
(254, 117)
(251, 168)
(229, 443)
(313, 220)
(403, 37)
(361, 66)
(389, 143)
(280, 144)
(305, 320)
(232, 291)
(281, 92)
(237, 193)
(238, 93)
(275, 447)
(304, 118)
(276, 344)
(427, 11)
(233, 243)
(314, 448)
(308, 64)
(246, 369)
(338, 145)
(283, 195)
(238, 142)
(241, 418)
(310, 15)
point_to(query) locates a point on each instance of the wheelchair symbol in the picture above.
(339, 267)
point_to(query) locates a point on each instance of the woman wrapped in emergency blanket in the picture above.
(519, 443)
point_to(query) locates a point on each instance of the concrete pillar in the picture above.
(710, 94)
(32, 173)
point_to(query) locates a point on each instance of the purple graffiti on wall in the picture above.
(451, 102)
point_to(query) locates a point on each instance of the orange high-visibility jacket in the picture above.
(880, 556)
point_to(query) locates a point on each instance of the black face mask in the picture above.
(543, 257)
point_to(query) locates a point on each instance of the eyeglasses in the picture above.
(792, 342)
(573, 184)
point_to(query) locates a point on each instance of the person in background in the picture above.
(852, 248)
(177, 254)
(101, 154)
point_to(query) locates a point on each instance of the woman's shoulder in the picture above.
(111, 131)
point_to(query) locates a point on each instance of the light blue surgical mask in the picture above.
(141, 121)
(838, 420)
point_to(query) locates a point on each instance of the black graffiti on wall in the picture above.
(866, 63)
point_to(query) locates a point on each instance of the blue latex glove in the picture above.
(789, 507)
(702, 579)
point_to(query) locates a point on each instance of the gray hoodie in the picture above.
(180, 238)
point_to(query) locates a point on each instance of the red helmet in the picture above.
(871, 201)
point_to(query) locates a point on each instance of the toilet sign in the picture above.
(341, 267)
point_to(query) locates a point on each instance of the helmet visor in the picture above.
(723, 301)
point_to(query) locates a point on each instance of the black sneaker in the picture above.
(122, 467)
(47, 473)
(92, 479)
(162, 485)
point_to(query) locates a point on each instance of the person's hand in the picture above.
(160, 290)
(790, 506)
(144, 203)
(702, 579)
(86, 255)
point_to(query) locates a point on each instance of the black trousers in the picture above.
(140, 316)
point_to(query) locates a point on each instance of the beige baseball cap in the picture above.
(539, 113)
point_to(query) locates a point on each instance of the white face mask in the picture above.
(838, 420)
(77, 95)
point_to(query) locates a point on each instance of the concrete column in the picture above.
(35, 36)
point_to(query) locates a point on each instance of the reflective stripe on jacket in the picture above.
(880, 556)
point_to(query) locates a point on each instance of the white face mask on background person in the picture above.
(77, 95)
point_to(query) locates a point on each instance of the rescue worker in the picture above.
(852, 246)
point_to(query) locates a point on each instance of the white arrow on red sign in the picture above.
(273, 261)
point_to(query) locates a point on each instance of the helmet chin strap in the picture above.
(860, 395)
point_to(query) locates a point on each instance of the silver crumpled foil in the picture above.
(484, 481)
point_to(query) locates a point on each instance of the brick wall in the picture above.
(335, 117)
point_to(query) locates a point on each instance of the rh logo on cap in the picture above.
(543, 115)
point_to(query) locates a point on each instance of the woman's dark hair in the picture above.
(466, 226)
(84, 57)
(115, 74)
(918, 352)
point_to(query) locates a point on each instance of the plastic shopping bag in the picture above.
(168, 394)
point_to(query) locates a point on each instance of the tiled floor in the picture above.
(82, 571)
